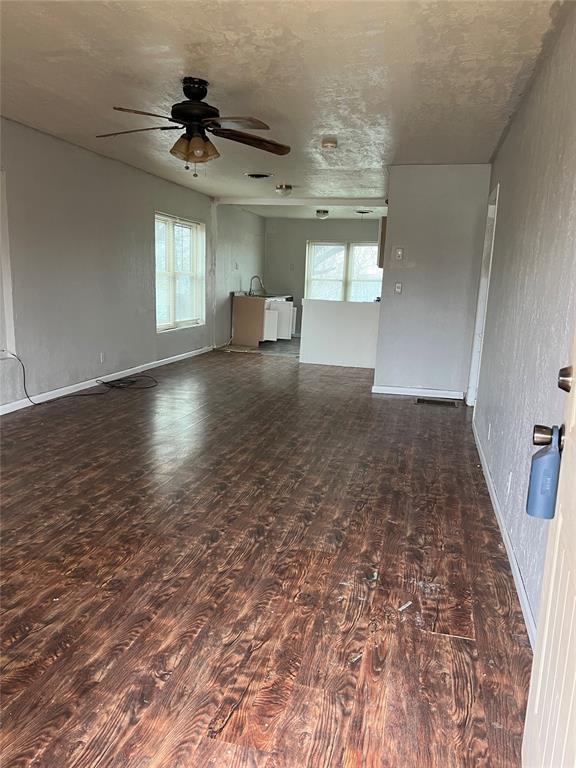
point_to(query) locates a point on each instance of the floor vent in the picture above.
(436, 401)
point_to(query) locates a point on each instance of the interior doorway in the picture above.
(482, 303)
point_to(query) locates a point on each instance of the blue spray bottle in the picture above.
(544, 473)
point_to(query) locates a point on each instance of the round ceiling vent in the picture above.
(258, 175)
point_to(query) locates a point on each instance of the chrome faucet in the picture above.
(262, 289)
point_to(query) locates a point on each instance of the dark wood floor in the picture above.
(210, 573)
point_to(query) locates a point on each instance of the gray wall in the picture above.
(437, 214)
(532, 299)
(239, 256)
(286, 239)
(81, 230)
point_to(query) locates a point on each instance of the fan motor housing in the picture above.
(193, 111)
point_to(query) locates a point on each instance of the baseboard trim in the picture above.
(519, 583)
(418, 392)
(53, 394)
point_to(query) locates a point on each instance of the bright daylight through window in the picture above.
(343, 271)
(180, 273)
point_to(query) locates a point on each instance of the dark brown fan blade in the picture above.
(139, 130)
(252, 123)
(139, 112)
(252, 141)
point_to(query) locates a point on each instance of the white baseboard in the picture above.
(451, 394)
(53, 394)
(520, 588)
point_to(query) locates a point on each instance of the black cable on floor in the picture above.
(15, 356)
(137, 381)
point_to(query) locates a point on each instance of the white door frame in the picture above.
(482, 302)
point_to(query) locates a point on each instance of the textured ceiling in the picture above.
(396, 82)
(309, 211)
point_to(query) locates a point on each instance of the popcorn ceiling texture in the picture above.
(397, 82)
(532, 302)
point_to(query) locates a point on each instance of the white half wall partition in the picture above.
(339, 333)
(437, 217)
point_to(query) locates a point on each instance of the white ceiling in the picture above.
(396, 82)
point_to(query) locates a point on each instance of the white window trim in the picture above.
(347, 280)
(198, 276)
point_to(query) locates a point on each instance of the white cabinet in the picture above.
(270, 331)
(284, 310)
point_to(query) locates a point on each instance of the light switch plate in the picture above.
(398, 288)
(398, 254)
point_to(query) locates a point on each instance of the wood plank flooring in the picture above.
(210, 573)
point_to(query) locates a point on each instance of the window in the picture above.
(180, 273)
(343, 271)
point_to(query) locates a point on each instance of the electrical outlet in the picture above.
(398, 254)
(398, 288)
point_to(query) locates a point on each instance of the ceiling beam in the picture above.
(330, 202)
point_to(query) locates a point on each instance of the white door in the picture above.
(550, 730)
(482, 303)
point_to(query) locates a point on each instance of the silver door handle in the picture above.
(565, 378)
(542, 435)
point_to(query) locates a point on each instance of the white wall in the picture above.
(339, 333)
(81, 233)
(437, 214)
(239, 256)
(532, 299)
(285, 270)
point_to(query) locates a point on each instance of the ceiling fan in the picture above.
(198, 119)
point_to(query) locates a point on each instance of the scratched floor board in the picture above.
(211, 572)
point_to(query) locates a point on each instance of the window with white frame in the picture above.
(343, 272)
(180, 272)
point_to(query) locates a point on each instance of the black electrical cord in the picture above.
(137, 381)
(131, 382)
(15, 356)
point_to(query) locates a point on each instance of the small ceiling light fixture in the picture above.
(284, 190)
(322, 213)
(258, 175)
(329, 142)
(363, 211)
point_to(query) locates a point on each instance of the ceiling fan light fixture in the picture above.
(197, 148)
(196, 117)
(181, 148)
(210, 150)
(284, 190)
